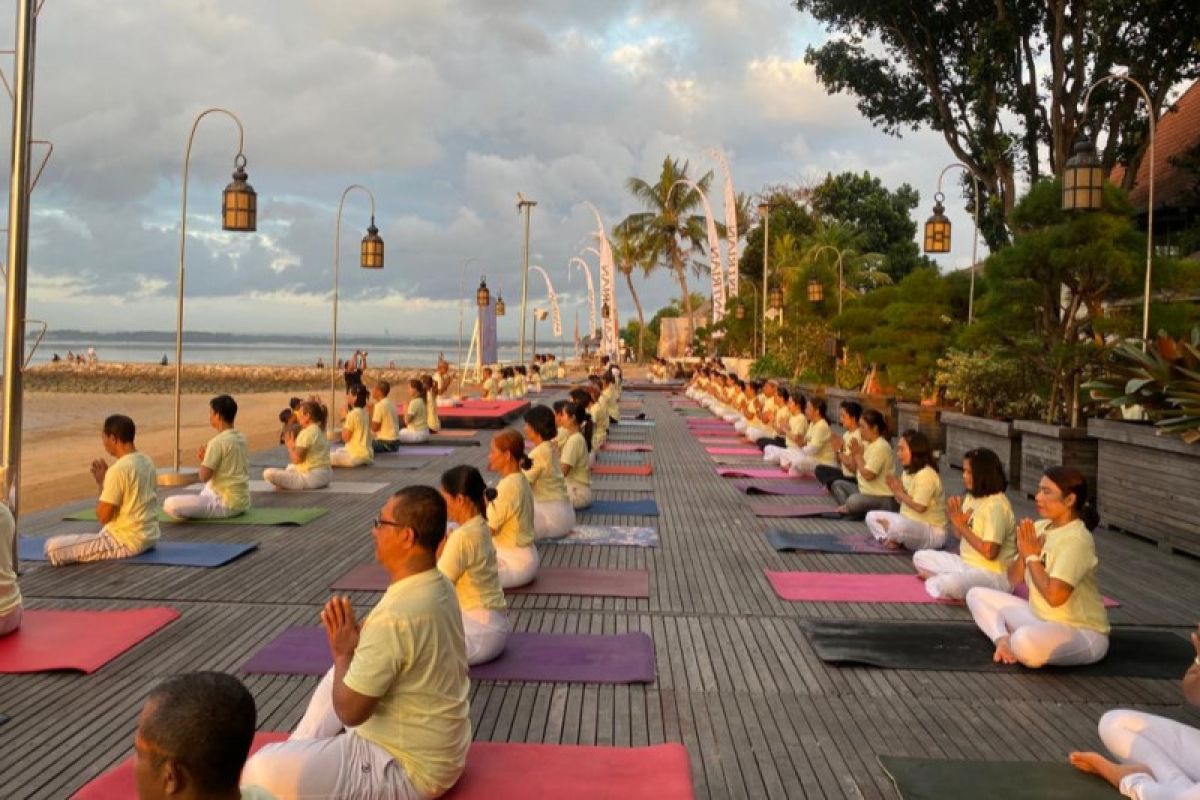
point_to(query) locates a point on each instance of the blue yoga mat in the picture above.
(638, 508)
(173, 554)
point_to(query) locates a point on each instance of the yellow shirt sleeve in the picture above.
(383, 653)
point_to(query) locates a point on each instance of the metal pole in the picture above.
(975, 239)
(527, 205)
(535, 334)
(337, 264)
(766, 294)
(462, 288)
(18, 253)
(841, 282)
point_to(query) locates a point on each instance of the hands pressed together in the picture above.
(341, 628)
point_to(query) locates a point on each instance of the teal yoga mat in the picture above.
(255, 516)
(942, 779)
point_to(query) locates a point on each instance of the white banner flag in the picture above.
(608, 329)
(555, 317)
(714, 256)
(591, 301)
(731, 223)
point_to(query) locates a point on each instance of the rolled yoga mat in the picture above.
(788, 487)
(252, 516)
(824, 510)
(634, 508)
(960, 647)
(633, 583)
(163, 554)
(942, 779)
(83, 641)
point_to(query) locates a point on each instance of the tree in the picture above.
(669, 228)
(789, 214)
(630, 252)
(975, 69)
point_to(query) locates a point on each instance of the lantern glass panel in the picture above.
(816, 291)
(239, 207)
(500, 307)
(483, 297)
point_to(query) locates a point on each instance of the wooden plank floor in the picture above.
(737, 682)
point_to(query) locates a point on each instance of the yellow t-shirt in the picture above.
(819, 437)
(510, 515)
(254, 793)
(10, 593)
(1069, 555)
(925, 488)
(608, 399)
(469, 561)
(412, 655)
(797, 430)
(782, 419)
(506, 388)
(879, 459)
(130, 485)
(388, 419)
(574, 452)
(431, 417)
(489, 389)
(416, 417)
(599, 415)
(851, 436)
(226, 456)
(519, 388)
(359, 428)
(992, 520)
(545, 474)
(562, 371)
(315, 446)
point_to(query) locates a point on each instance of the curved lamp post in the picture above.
(370, 257)
(239, 212)
(526, 206)
(937, 228)
(739, 312)
(1083, 185)
(764, 212)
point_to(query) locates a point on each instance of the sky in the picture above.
(444, 109)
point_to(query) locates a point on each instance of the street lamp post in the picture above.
(937, 228)
(462, 288)
(371, 257)
(1083, 183)
(740, 313)
(764, 213)
(526, 206)
(239, 212)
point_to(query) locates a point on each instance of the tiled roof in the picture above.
(1178, 131)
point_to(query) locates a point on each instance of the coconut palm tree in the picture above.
(672, 232)
(631, 251)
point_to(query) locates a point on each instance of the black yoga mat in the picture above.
(941, 779)
(960, 647)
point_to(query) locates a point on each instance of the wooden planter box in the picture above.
(1149, 485)
(926, 419)
(964, 433)
(883, 403)
(1045, 445)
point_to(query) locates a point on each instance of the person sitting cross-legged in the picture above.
(224, 468)
(510, 510)
(127, 507)
(416, 415)
(385, 419)
(356, 449)
(308, 452)
(873, 462)
(192, 739)
(390, 719)
(553, 512)
(921, 521)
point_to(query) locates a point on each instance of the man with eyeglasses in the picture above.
(390, 719)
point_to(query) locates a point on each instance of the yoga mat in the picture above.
(825, 511)
(854, 587)
(253, 516)
(120, 783)
(618, 485)
(550, 580)
(638, 423)
(295, 651)
(636, 508)
(337, 487)
(622, 469)
(942, 779)
(733, 451)
(557, 657)
(752, 472)
(390, 461)
(856, 543)
(455, 434)
(174, 554)
(620, 535)
(627, 447)
(415, 450)
(788, 487)
(82, 641)
(730, 441)
(960, 647)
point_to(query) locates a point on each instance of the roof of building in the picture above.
(1178, 131)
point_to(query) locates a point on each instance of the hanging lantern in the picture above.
(372, 248)
(483, 298)
(239, 203)
(937, 228)
(739, 311)
(775, 298)
(816, 291)
(1083, 179)
(500, 307)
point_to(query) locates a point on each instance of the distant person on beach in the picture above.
(385, 420)
(163, 362)
(320, 363)
(92, 358)
(192, 739)
(224, 468)
(308, 452)
(127, 507)
(10, 593)
(352, 372)
(356, 449)
(390, 719)
(54, 359)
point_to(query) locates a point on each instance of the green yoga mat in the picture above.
(940, 779)
(255, 516)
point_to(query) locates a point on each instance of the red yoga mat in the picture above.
(82, 641)
(621, 469)
(733, 451)
(852, 587)
(550, 580)
(627, 447)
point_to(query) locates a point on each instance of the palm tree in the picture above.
(671, 231)
(630, 250)
(862, 271)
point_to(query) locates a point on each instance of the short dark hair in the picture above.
(921, 450)
(783, 393)
(987, 473)
(466, 481)
(817, 402)
(853, 408)
(225, 407)
(360, 395)
(541, 420)
(875, 420)
(287, 415)
(121, 428)
(423, 509)
(384, 387)
(294, 403)
(205, 721)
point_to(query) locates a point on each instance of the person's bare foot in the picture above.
(1096, 764)
(891, 545)
(922, 575)
(841, 509)
(1004, 653)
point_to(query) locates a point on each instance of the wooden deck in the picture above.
(737, 682)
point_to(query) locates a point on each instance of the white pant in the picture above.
(552, 519)
(11, 621)
(1170, 749)
(950, 578)
(580, 494)
(84, 547)
(295, 480)
(799, 461)
(888, 526)
(341, 458)
(756, 432)
(205, 505)
(516, 566)
(774, 454)
(487, 633)
(322, 759)
(741, 425)
(1034, 641)
(410, 436)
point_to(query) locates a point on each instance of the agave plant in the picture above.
(1164, 381)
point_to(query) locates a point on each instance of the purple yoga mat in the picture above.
(791, 510)
(793, 487)
(420, 450)
(625, 658)
(752, 472)
(733, 451)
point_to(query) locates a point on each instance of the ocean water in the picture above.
(202, 348)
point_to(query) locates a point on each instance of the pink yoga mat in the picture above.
(733, 451)
(627, 447)
(843, 587)
(791, 509)
(728, 441)
(622, 469)
(550, 580)
(751, 472)
(81, 640)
